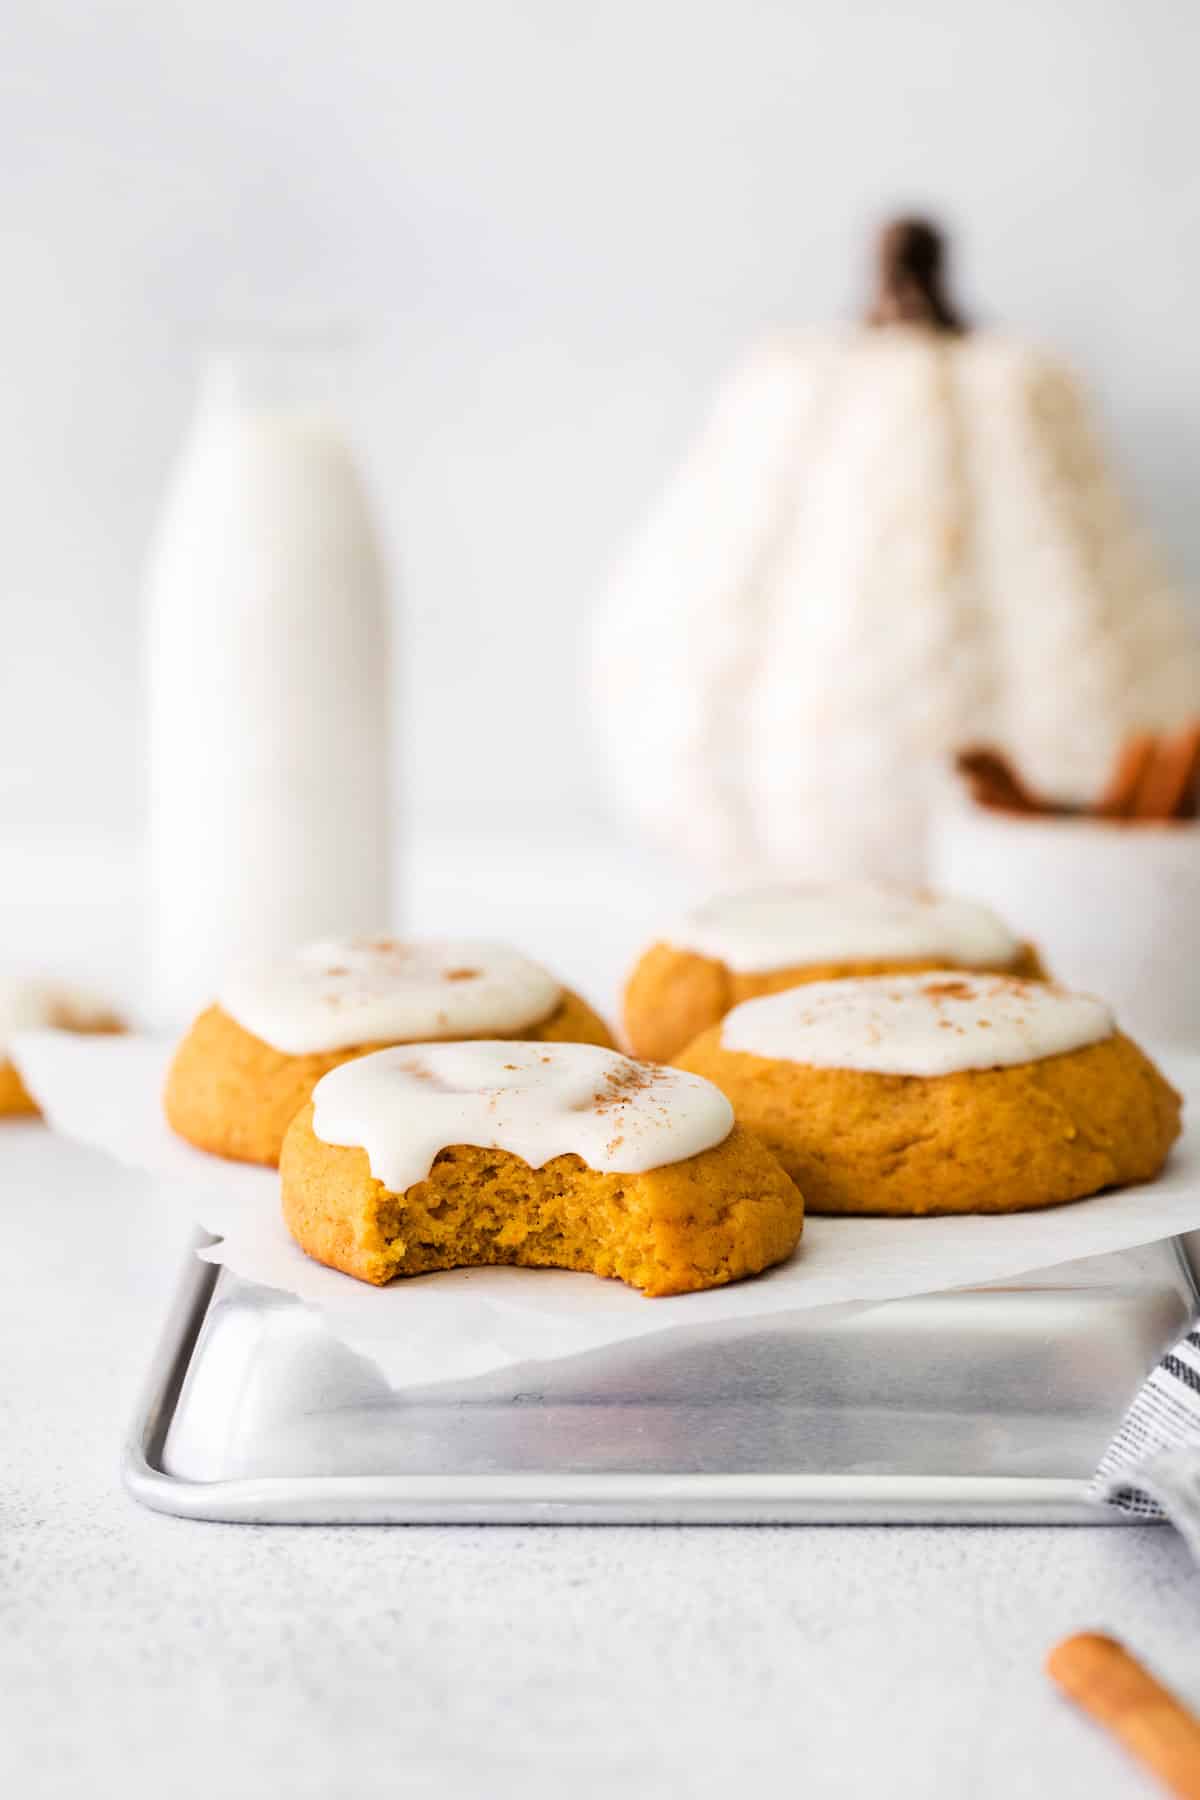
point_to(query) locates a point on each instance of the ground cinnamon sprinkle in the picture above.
(950, 990)
(462, 975)
(621, 1085)
(419, 1071)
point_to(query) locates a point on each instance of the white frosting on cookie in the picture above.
(333, 995)
(929, 1024)
(402, 1106)
(841, 922)
(41, 1005)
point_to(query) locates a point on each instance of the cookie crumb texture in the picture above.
(234, 1095)
(977, 1141)
(711, 1219)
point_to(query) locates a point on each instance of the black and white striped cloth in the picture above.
(1152, 1467)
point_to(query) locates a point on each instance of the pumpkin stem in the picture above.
(911, 259)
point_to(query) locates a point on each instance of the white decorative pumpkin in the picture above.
(889, 541)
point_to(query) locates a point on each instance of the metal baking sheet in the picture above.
(988, 1404)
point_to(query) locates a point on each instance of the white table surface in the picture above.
(143, 1655)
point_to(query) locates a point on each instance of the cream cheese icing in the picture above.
(39, 1005)
(933, 1024)
(840, 922)
(342, 992)
(404, 1105)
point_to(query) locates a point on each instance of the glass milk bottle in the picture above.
(267, 650)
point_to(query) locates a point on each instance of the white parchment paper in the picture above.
(106, 1092)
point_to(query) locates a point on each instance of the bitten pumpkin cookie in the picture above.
(565, 1156)
(942, 1093)
(37, 1006)
(250, 1062)
(771, 939)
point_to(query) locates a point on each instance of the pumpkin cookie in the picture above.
(250, 1062)
(942, 1093)
(36, 1006)
(771, 939)
(565, 1156)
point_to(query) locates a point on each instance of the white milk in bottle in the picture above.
(267, 641)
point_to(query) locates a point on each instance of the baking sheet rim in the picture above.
(563, 1498)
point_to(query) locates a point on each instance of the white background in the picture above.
(560, 220)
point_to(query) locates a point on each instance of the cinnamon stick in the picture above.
(1101, 1676)
(994, 782)
(1167, 790)
(1119, 796)
(1154, 780)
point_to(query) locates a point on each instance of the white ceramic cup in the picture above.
(1113, 909)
